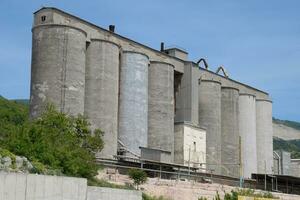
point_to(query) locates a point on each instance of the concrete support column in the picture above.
(230, 131)
(161, 106)
(247, 129)
(210, 118)
(57, 69)
(102, 92)
(264, 136)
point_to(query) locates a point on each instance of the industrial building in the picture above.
(150, 103)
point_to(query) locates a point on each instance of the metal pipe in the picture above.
(221, 68)
(162, 47)
(204, 62)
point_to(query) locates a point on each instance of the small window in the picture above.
(43, 18)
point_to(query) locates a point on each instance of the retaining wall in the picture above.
(17, 186)
(100, 193)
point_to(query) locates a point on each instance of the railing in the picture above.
(177, 172)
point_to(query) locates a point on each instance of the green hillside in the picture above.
(292, 124)
(21, 101)
(292, 146)
(12, 112)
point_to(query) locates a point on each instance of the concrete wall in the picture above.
(58, 17)
(97, 193)
(102, 92)
(195, 145)
(230, 131)
(58, 69)
(15, 186)
(187, 96)
(264, 136)
(191, 102)
(285, 162)
(156, 155)
(190, 144)
(247, 129)
(161, 106)
(210, 118)
(295, 167)
(133, 107)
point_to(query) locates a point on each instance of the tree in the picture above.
(138, 176)
(58, 141)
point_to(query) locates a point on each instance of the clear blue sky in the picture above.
(257, 41)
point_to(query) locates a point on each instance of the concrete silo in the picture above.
(133, 106)
(247, 129)
(264, 136)
(210, 118)
(230, 131)
(161, 106)
(101, 92)
(58, 69)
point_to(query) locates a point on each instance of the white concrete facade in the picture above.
(190, 145)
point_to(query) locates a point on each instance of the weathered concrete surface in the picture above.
(187, 95)
(285, 132)
(64, 46)
(14, 186)
(295, 167)
(133, 108)
(56, 16)
(264, 136)
(285, 162)
(230, 131)
(161, 107)
(100, 193)
(190, 145)
(58, 69)
(247, 129)
(210, 118)
(102, 92)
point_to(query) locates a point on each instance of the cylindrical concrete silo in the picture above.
(58, 69)
(133, 106)
(230, 131)
(210, 118)
(101, 92)
(247, 129)
(161, 106)
(264, 136)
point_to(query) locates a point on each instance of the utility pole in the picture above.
(265, 175)
(189, 158)
(240, 161)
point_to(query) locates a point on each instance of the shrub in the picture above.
(38, 167)
(103, 183)
(148, 197)
(138, 176)
(57, 141)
